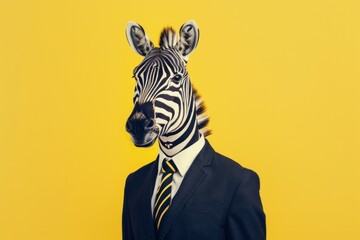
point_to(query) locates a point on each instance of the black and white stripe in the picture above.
(162, 79)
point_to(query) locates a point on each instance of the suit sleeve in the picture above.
(246, 218)
(127, 231)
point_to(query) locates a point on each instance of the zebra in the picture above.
(166, 105)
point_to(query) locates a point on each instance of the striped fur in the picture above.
(168, 39)
(162, 78)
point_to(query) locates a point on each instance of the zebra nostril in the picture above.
(128, 126)
(149, 124)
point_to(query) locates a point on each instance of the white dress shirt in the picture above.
(183, 161)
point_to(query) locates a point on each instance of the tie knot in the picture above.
(168, 167)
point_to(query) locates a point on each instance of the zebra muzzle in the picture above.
(141, 125)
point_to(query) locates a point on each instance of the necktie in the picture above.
(163, 194)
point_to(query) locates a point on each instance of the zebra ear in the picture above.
(138, 39)
(189, 38)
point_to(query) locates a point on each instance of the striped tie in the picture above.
(163, 194)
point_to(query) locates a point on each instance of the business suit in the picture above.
(218, 199)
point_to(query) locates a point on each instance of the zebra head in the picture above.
(165, 104)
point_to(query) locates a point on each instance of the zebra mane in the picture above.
(201, 117)
(168, 38)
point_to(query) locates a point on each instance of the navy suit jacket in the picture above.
(218, 199)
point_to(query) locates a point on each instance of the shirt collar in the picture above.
(184, 159)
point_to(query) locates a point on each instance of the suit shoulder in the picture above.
(233, 169)
(140, 172)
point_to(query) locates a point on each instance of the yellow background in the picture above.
(280, 79)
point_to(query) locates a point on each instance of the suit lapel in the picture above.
(145, 203)
(191, 182)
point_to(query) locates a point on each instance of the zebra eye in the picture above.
(177, 77)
